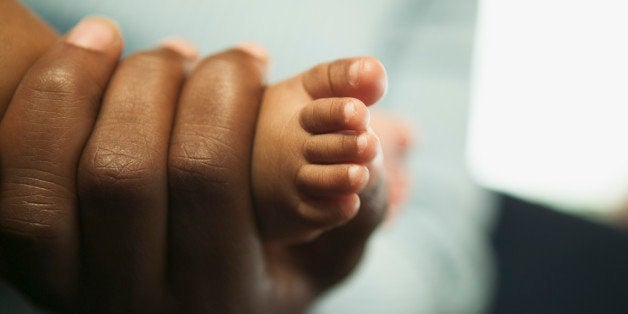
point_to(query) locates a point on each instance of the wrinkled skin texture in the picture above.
(117, 199)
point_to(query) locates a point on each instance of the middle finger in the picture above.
(123, 185)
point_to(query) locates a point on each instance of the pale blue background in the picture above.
(435, 258)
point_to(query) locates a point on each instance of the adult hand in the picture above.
(158, 217)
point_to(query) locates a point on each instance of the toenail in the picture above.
(354, 72)
(356, 174)
(356, 205)
(362, 143)
(350, 111)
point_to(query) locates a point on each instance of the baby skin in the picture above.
(314, 150)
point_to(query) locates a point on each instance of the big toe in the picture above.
(363, 78)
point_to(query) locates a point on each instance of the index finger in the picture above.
(41, 138)
(214, 248)
(25, 38)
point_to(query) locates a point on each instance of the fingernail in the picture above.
(94, 33)
(259, 53)
(181, 46)
(354, 72)
(350, 111)
(255, 50)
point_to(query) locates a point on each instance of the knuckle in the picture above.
(63, 80)
(28, 229)
(118, 173)
(33, 209)
(203, 160)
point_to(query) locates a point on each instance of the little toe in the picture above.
(331, 180)
(333, 115)
(329, 212)
(363, 78)
(341, 148)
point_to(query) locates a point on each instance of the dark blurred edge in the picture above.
(11, 302)
(549, 262)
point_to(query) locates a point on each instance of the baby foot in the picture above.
(313, 149)
(396, 141)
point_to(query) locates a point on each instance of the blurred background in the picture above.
(550, 101)
(517, 109)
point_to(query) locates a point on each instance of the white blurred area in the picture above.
(549, 116)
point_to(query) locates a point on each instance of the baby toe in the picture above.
(331, 180)
(341, 148)
(329, 212)
(360, 77)
(333, 115)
